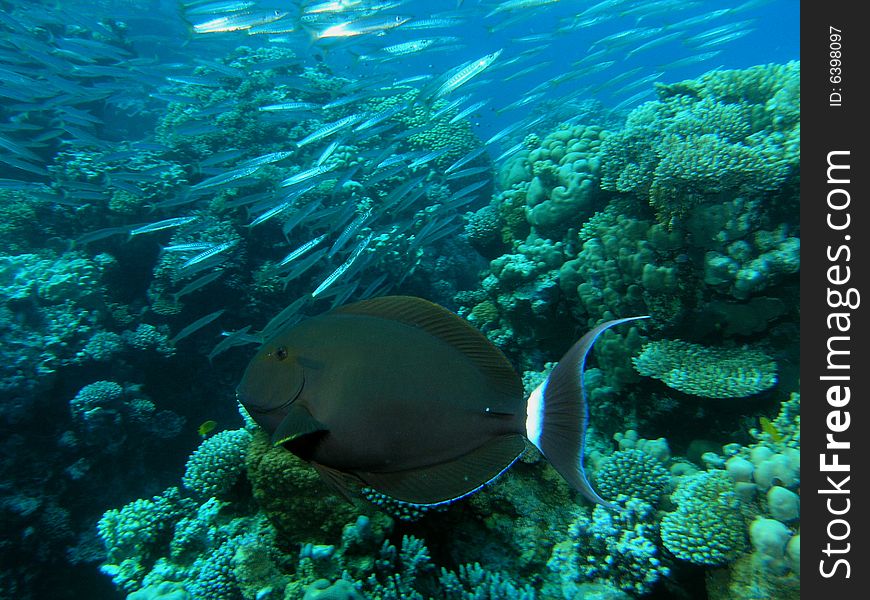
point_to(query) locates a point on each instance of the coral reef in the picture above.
(215, 466)
(633, 473)
(725, 133)
(164, 217)
(617, 549)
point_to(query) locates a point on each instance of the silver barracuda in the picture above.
(330, 128)
(161, 225)
(463, 74)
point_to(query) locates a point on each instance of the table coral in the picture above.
(705, 371)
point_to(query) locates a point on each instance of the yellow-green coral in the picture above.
(705, 371)
(301, 506)
(484, 312)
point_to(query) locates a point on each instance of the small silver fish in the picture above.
(289, 106)
(214, 250)
(196, 284)
(342, 268)
(465, 73)
(301, 250)
(161, 225)
(238, 22)
(227, 177)
(267, 159)
(308, 174)
(360, 27)
(351, 229)
(469, 109)
(187, 247)
(196, 325)
(465, 160)
(330, 128)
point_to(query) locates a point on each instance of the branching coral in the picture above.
(633, 473)
(138, 534)
(619, 549)
(709, 525)
(726, 132)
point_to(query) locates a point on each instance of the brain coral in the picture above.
(707, 372)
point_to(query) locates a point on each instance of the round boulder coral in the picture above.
(214, 467)
(633, 473)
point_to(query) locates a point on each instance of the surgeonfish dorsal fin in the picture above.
(449, 327)
(557, 414)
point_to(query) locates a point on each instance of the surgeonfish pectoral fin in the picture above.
(296, 423)
(557, 414)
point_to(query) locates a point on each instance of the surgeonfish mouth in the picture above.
(361, 394)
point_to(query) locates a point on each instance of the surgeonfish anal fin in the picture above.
(439, 322)
(337, 480)
(296, 423)
(451, 480)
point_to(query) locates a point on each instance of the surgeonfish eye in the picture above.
(280, 353)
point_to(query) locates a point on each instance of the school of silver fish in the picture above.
(379, 50)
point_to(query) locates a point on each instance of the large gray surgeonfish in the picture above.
(401, 396)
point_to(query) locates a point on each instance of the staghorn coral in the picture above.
(705, 371)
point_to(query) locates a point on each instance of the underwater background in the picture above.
(181, 180)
